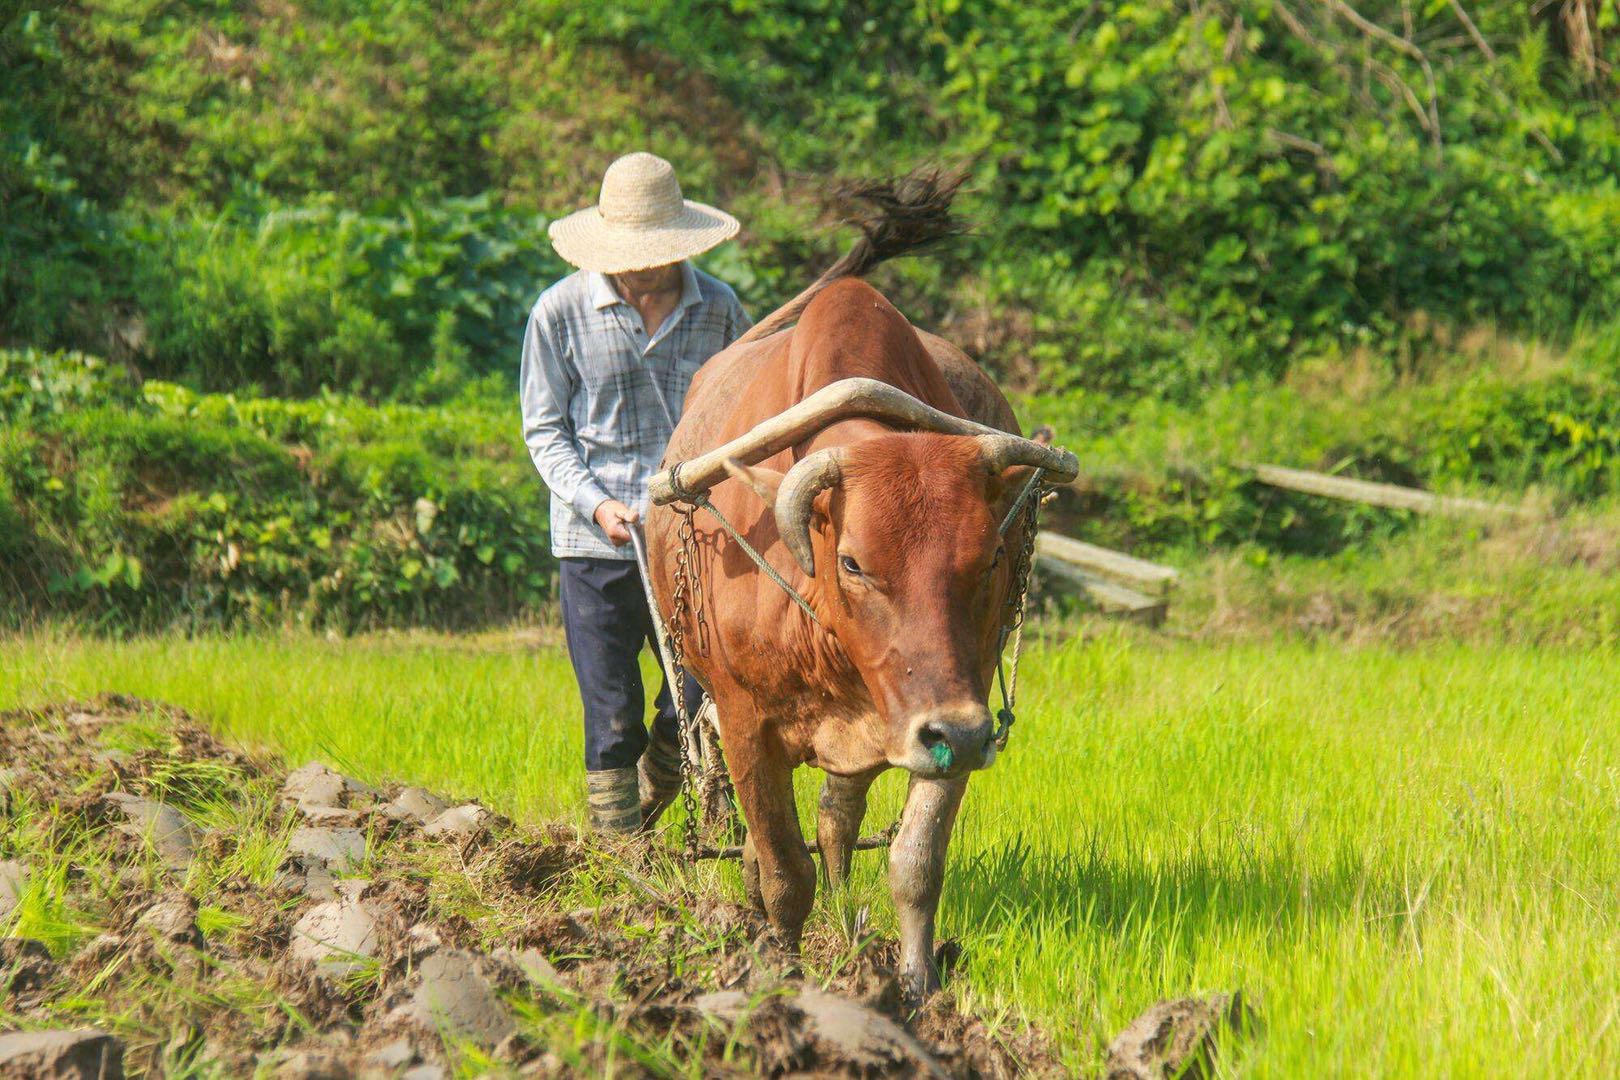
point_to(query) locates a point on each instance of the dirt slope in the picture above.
(218, 915)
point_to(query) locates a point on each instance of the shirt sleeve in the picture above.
(739, 322)
(546, 387)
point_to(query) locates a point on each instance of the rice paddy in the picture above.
(1407, 859)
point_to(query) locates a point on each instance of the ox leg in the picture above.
(916, 872)
(839, 813)
(750, 871)
(786, 875)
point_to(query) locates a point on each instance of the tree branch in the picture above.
(1473, 31)
(1399, 44)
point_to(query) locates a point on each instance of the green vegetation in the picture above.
(133, 507)
(1498, 420)
(1403, 855)
(263, 271)
(1208, 234)
(1170, 196)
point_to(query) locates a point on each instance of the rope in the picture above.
(1005, 716)
(700, 499)
(1014, 632)
(675, 485)
(1023, 497)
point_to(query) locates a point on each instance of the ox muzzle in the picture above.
(949, 741)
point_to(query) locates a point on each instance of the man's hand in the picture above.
(615, 518)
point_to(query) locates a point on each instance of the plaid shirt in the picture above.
(600, 399)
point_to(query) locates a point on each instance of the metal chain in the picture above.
(686, 600)
(1013, 627)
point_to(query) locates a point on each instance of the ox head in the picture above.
(901, 534)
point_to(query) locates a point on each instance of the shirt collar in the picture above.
(604, 295)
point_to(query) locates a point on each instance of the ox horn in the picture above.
(837, 401)
(825, 468)
(810, 477)
(1001, 452)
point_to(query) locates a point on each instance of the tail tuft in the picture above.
(896, 216)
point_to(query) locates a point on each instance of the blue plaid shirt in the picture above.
(601, 398)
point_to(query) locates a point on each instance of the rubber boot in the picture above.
(614, 803)
(659, 775)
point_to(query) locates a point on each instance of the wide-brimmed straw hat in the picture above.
(639, 221)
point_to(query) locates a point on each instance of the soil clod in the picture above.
(314, 785)
(415, 804)
(25, 965)
(341, 848)
(62, 1055)
(393, 1055)
(454, 998)
(173, 919)
(162, 825)
(13, 876)
(458, 822)
(337, 936)
(1176, 1038)
(311, 1065)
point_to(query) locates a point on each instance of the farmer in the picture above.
(607, 358)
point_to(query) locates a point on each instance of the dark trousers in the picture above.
(606, 622)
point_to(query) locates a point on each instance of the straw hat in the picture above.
(639, 221)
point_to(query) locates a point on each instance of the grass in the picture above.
(1541, 582)
(1405, 856)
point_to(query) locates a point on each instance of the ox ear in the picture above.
(1003, 486)
(1008, 482)
(763, 482)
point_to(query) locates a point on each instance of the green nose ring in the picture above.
(942, 754)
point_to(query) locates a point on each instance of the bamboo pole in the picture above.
(1392, 496)
(1139, 574)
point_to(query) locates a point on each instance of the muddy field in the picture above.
(215, 914)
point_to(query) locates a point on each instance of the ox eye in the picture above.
(849, 565)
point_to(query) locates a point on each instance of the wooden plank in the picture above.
(1389, 495)
(1109, 597)
(1100, 562)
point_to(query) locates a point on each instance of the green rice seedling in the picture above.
(218, 922)
(1402, 856)
(198, 787)
(135, 734)
(44, 910)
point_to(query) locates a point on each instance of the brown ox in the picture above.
(910, 583)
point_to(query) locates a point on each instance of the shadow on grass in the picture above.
(1121, 890)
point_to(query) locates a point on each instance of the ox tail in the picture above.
(896, 216)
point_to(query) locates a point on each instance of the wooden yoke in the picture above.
(838, 401)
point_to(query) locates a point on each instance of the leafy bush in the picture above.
(1173, 197)
(138, 508)
(1185, 210)
(1164, 475)
(1227, 184)
(298, 300)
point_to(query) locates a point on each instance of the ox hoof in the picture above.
(918, 984)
